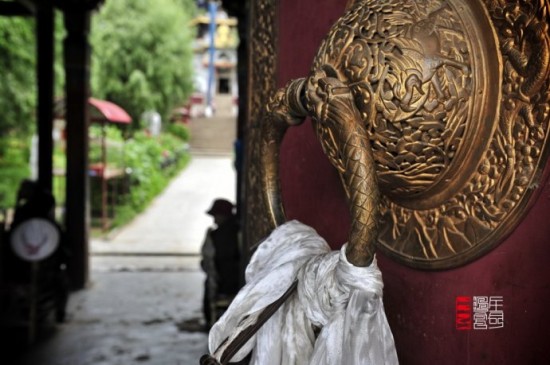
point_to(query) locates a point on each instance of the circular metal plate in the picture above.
(454, 96)
(459, 178)
(35, 239)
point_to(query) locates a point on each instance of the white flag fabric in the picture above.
(335, 317)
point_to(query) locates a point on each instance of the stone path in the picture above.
(175, 222)
(130, 315)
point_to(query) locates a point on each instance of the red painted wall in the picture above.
(420, 305)
(310, 185)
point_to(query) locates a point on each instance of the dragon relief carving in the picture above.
(408, 66)
(493, 200)
(452, 99)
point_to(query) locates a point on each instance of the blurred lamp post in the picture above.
(213, 10)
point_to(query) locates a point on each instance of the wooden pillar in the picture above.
(242, 77)
(77, 63)
(241, 11)
(45, 76)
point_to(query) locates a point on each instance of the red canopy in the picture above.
(103, 110)
(100, 111)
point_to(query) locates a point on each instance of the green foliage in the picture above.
(18, 91)
(114, 144)
(112, 132)
(59, 70)
(148, 160)
(18, 98)
(14, 167)
(142, 54)
(17, 75)
(151, 161)
(189, 6)
(179, 130)
(142, 60)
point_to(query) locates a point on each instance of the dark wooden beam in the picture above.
(77, 64)
(77, 5)
(240, 10)
(45, 75)
(12, 8)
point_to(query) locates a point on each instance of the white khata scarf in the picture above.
(342, 300)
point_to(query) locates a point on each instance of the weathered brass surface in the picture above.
(262, 85)
(345, 141)
(450, 99)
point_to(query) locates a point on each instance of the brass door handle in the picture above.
(345, 142)
(443, 108)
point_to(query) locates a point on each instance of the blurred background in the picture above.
(140, 98)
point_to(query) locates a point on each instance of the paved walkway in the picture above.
(131, 314)
(176, 221)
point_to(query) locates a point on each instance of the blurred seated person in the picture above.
(33, 202)
(220, 257)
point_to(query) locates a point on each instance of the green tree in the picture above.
(17, 102)
(17, 76)
(142, 54)
(18, 98)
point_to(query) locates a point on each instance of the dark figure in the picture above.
(220, 258)
(35, 202)
(32, 202)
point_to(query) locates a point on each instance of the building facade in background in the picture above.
(226, 41)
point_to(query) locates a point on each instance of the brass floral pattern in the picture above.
(453, 97)
(491, 203)
(408, 65)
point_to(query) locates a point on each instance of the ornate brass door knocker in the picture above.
(442, 106)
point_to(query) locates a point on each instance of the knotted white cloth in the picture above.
(342, 300)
